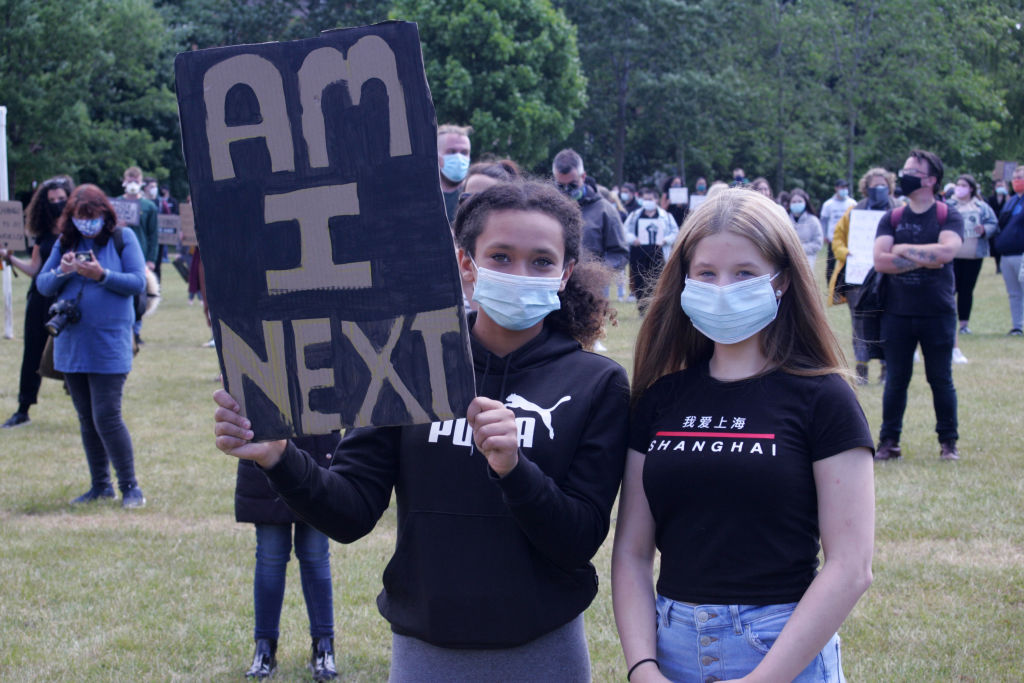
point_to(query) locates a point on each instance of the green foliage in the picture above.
(509, 68)
(85, 89)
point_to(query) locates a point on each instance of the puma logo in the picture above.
(517, 401)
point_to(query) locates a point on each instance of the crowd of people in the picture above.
(737, 381)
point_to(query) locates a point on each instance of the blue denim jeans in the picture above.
(273, 550)
(722, 642)
(936, 335)
(97, 400)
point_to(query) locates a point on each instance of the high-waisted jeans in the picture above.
(273, 550)
(722, 642)
(105, 437)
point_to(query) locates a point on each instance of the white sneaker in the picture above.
(210, 344)
(958, 355)
(600, 347)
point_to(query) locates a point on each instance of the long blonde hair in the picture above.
(799, 340)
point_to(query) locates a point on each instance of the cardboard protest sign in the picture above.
(188, 226)
(12, 226)
(860, 240)
(168, 228)
(127, 211)
(329, 263)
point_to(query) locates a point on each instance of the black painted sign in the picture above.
(329, 263)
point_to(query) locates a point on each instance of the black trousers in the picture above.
(36, 314)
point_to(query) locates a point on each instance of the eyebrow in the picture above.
(745, 264)
(536, 250)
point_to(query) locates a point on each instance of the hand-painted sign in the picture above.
(169, 228)
(12, 226)
(127, 211)
(329, 263)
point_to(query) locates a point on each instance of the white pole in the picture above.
(8, 283)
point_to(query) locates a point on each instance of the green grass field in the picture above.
(165, 592)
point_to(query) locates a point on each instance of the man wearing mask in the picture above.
(453, 163)
(602, 227)
(627, 195)
(914, 248)
(1010, 243)
(739, 178)
(146, 231)
(650, 231)
(997, 200)
(834, 208)
(151, 191)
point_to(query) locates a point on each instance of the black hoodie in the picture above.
(483, 562)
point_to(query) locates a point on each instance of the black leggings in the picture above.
(966, 271)
(37, 310)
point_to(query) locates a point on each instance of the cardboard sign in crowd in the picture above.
(329, 263)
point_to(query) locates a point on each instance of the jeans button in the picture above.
(702, 617)
(705, 641)
(705, 660)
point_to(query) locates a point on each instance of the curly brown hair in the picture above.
(38, 220)
(584, 307)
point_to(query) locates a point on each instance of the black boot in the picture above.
(862, 373)
(321, 662)
(264, 659)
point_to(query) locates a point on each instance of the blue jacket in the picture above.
(101, 342)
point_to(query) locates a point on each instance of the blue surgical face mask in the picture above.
(626, 197)
(89, 227)
(843, 193)
(1000, 190)
(797, 208)
(516, 302)
(649, 205)
(732, 313)
(455, 167)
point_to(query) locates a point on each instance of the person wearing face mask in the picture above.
(650, 231)
(980, 224)
(1010, 243)
(603, 236)
(834, 208)
(151, 192)
(739, 178)
(876, 188)
(499, 513)
(748, 452)
(94, 274)
(628, 198)
(997, 200)
(453, 150)
(914, 248)
(678, 210)
(146, 232)
(805, 222)
(41, 223)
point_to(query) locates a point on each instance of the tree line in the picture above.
(802, 92)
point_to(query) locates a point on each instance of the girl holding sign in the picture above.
(747, 445)
(499, 513)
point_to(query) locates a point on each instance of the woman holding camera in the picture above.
(94, 272)
(41, 216)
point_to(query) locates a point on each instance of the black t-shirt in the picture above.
(45, 242)
(924, 292)
(729, 481)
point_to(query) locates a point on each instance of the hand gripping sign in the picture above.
(330, 271)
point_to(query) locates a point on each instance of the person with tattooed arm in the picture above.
(914, 247)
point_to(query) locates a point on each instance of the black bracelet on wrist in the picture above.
(642, 661)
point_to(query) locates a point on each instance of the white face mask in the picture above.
(132, 187)
(649, 205)
(732, 313)
(516, 302)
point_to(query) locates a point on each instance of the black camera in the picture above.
(63, 313)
